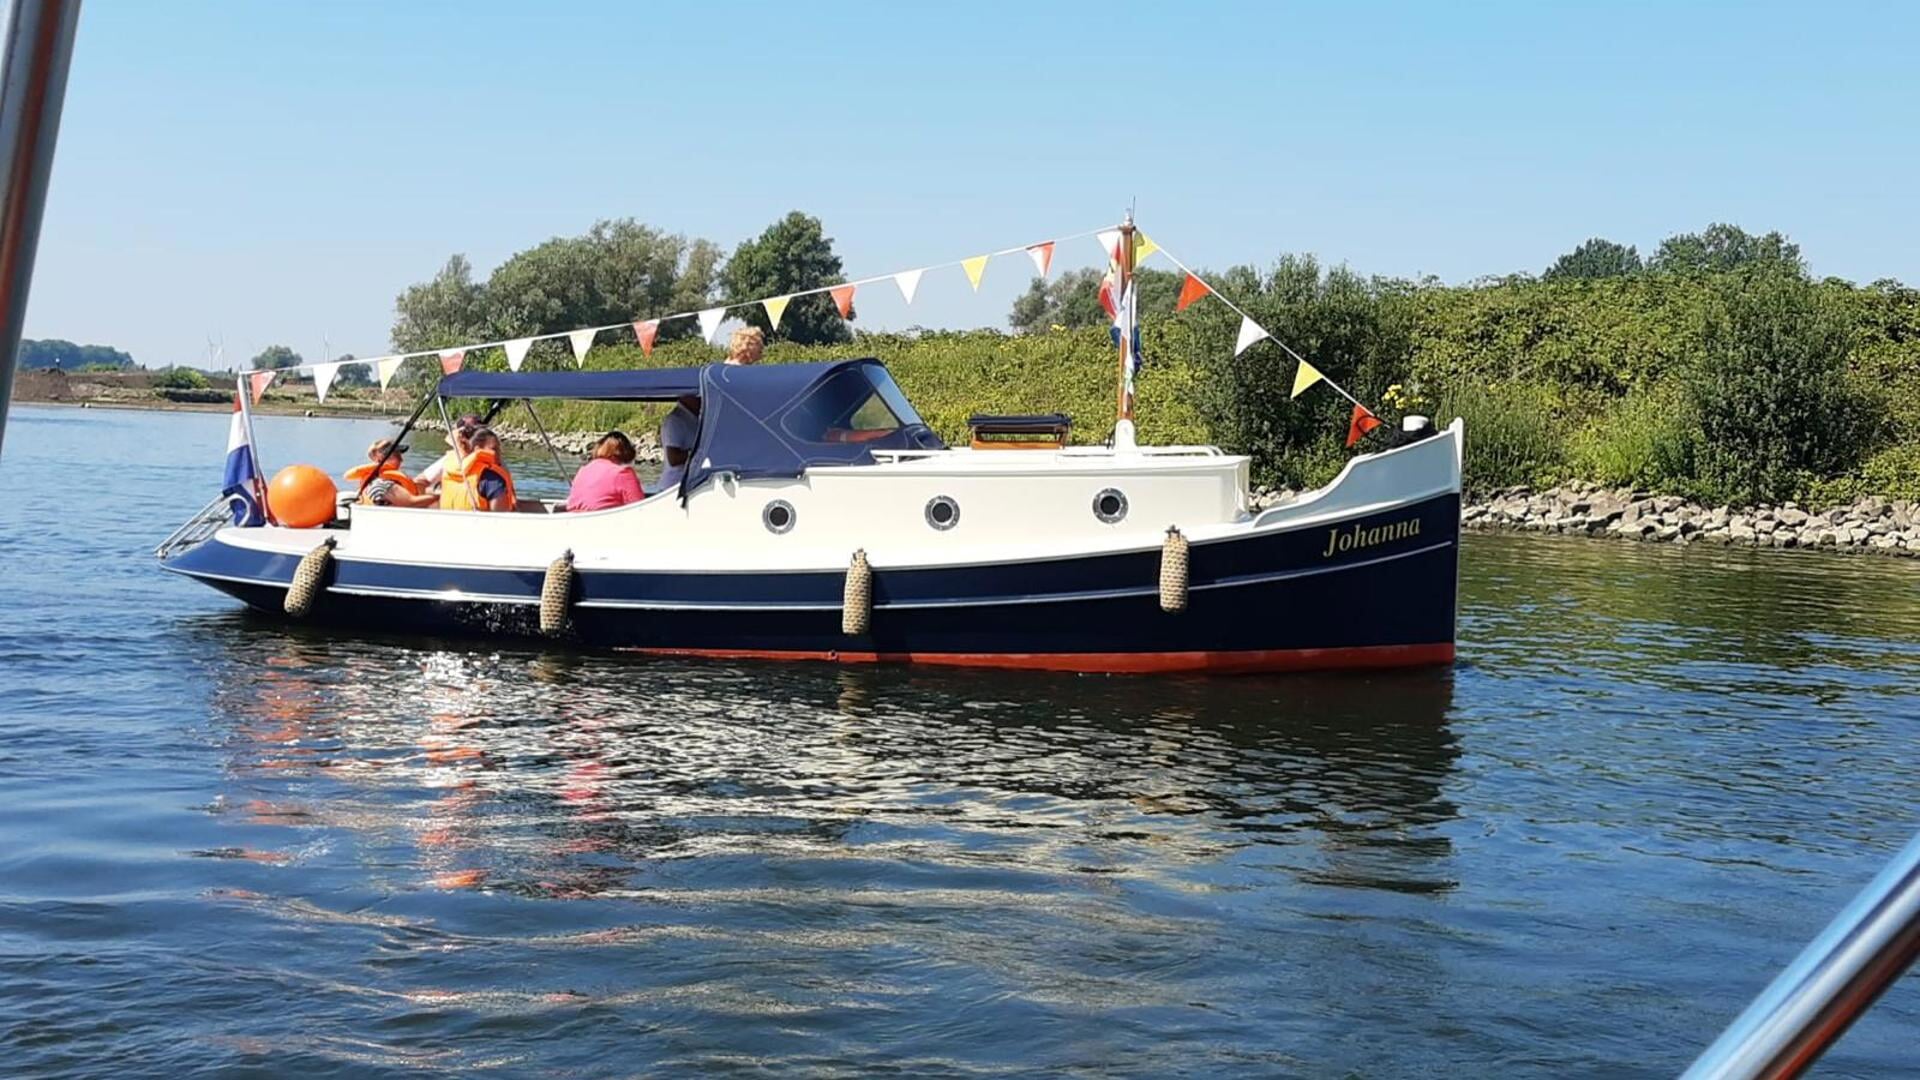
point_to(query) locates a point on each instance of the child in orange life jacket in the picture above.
(489, 485)
(392, 487)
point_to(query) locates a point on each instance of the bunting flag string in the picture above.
(1110, 243)
(1143, 246)
(517, 352)
(259, 381)
(1042, 257)
(323, 378)
(909, 282)
(976, 268)
(1252, 332)
(646, 331)
(581, 340)
(776, 306)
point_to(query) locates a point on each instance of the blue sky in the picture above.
(274, 173)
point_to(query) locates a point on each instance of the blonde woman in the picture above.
(746, 345)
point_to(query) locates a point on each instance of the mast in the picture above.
(1124, 322)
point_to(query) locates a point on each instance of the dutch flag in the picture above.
(243, 476)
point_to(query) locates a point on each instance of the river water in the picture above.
(228, 845)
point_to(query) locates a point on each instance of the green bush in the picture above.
(180, 378)
(1777, 411)
(1514, 433)
(1649, 439)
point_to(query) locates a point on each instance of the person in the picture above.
(678, 431)
(607, 480)
(746, 346)
(458, 447)
(392, 487)
(483, 482)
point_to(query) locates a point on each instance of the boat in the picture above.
(820, 518)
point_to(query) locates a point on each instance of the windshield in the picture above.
(855, 404)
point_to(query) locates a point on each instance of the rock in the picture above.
(1740, 533)
(1791, 515)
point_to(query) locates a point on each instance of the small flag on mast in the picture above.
(242, 476)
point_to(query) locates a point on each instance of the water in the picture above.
(227, 845)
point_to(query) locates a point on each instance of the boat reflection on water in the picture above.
(570, 775)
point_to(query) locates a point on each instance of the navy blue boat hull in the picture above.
(1372, 592)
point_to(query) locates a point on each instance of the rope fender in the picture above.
(1173, 572)
(856, 604)
(556, 595)
(308, 579)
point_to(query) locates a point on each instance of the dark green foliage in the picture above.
(276, 356)
(1072, 300)
(65, 355)
(1770, 388)
(1352, 328)
(793, 254)
(1597, 258)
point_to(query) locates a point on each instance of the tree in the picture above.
(351, 374)
(56, 353)
(448, 309)
(617, 271)
(1597, 258)
(793, 254)
(1072, 300)
(1722, 247)
(277, 356)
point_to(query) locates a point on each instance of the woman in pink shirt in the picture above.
(607, 481)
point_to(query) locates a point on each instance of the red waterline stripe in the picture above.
(1217, 662)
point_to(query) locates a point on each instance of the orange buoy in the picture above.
(301, 497)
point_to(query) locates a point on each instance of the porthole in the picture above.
(942, 512)
(778, 516)
(1110, 505)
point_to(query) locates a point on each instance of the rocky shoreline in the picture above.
(1870, 524)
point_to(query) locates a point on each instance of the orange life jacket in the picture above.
(359, 473)
(466, 491)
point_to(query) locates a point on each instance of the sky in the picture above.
(269, 173)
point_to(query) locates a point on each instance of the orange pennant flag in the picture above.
(259, 381)
(646, 332)
(843, 299)
(1190, 290)
(1363, 422)
(451, 360)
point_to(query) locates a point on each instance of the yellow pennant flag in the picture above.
(975, 267)
(776, 307)
(1306, 376)
(1142, 247)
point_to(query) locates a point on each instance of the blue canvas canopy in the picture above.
(760, 420)
(647, 384)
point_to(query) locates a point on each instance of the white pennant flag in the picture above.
(909, 282)
(517, 352)
(1250, 332)
(710, 321)
(581, 340)
(323, 378)
(1110, 243)
(385, 367)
